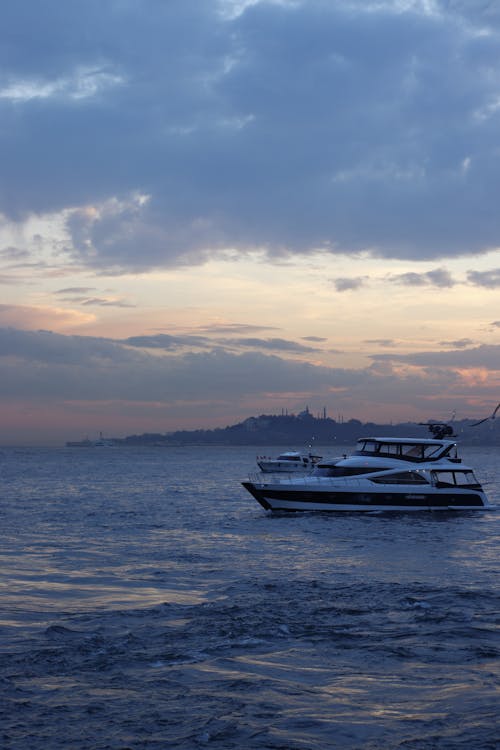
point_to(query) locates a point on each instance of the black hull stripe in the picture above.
(366, 499)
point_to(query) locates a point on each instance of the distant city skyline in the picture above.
(210, 211)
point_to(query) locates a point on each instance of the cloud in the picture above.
(39, 364)
(381, 342)
(439, 277)
(274, 344)
(101, 302)
(80, 296)
(14, 254)
(75, 290)
(284, 127)
(346, 284)
(483, 356)
(42, 364)
(169, 342)
(8, 279)
(26, 317)
(83, 83)
(458, 343)
(486, 279)
(81, 380)
(233, 328)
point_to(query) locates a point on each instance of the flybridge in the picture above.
(407, 449)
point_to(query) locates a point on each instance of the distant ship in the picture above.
(101, 442)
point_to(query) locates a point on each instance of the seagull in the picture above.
(492, 416)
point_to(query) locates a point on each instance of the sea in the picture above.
(148, 601)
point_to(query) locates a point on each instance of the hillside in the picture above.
(305, 430)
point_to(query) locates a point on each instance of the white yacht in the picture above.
(382, 474)
(288, 462)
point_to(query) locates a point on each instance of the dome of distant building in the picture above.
(306, 414)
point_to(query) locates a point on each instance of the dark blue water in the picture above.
(147, 601)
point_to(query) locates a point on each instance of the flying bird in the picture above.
(492, 416)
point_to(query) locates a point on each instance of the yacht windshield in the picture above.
(408, 451)
(368, 446)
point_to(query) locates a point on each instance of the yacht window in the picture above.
(432, 450)
(465, 477)
(455, 478)
(413, 451)
(390, 449)
(369, 446)
(402, 477)
(401, 450)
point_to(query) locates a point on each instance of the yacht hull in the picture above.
(294, 499)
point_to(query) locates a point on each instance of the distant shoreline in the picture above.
(303, 430)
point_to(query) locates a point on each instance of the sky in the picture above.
(215, 209)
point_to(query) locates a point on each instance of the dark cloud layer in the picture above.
(168, 342)
(485, 356)
(42, 367)
(289, 126)
(38, 365)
